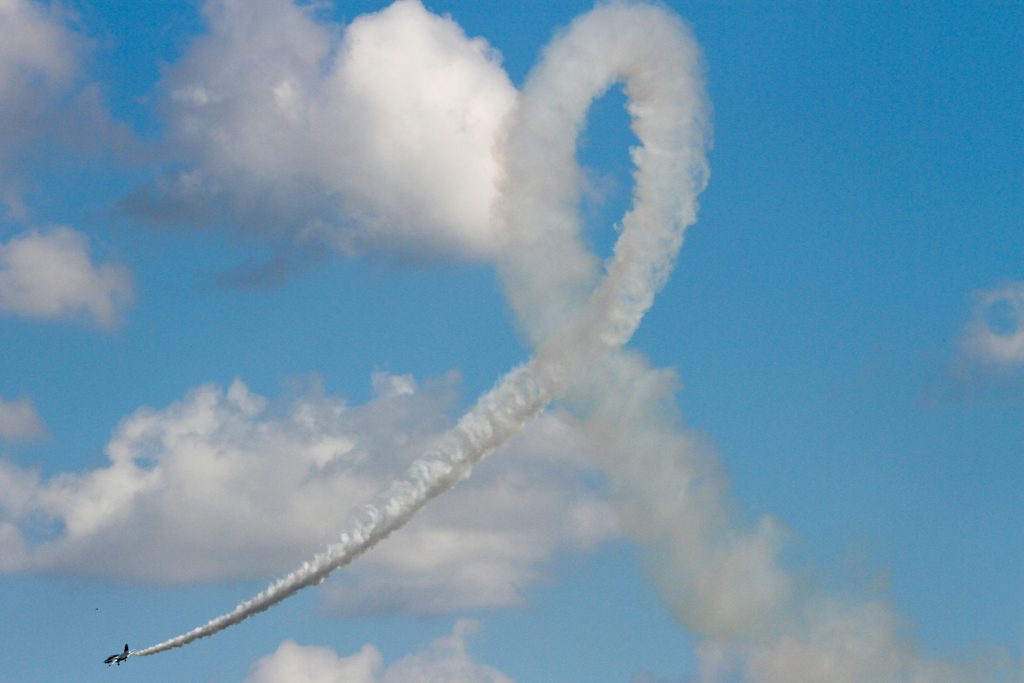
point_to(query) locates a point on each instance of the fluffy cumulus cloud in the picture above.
(226, 484)
(380, 136)
(445, 659)
(38, 61)
(52, 275)
(479, 544)
(19, 421)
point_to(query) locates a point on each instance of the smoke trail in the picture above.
(546, 270)
(722, 577)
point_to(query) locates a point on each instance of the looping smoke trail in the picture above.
(549, 275)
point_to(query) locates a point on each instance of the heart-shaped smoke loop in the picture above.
(572, 313)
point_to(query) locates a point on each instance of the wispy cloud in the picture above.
(995, 334)
(987, 362)
(19, 421)
(52, 275)
(39, 58)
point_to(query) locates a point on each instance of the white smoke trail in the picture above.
(547, 271)
(723, 578)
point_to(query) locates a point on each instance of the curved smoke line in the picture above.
(548, 273)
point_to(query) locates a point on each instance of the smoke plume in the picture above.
(720, 574)
(654, 55)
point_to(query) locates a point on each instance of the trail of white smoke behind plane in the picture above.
(659, 61)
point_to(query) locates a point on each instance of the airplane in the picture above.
(119, 658)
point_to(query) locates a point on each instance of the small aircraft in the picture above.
(119, 658)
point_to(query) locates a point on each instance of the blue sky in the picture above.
(264, 302)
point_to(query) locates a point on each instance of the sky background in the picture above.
(182, 288)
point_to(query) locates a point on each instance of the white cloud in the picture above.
(35, 46)
(294, 663)
(51, 275)
(445, 659)
(841, 642)
(19, 421)
(988, 361)
(995, 334)
(380, 138)
(38, 60)
(224, 484)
